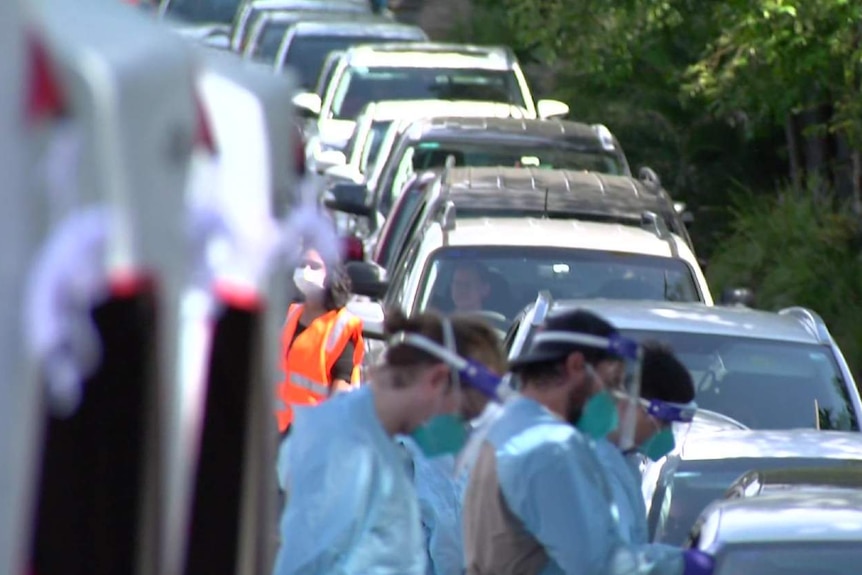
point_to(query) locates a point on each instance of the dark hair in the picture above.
(551, 356)
(664, 376)
(337, 287)
(473, 338)
(481, 270)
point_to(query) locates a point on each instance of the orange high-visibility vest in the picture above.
(308, 361)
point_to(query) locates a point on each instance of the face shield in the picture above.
(668, 420)
(446, 433)
(599, 416)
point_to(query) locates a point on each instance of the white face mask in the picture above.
(309, 281)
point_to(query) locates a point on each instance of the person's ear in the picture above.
(438, 376)
(573, 365)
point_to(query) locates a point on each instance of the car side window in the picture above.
(404, 224)
(397, 293)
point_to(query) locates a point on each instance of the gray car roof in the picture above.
(567, 191)
(793, 516)
(573, 133)
(697, 318)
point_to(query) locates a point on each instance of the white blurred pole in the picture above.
(20, 230)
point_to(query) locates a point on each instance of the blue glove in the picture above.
(697, 562)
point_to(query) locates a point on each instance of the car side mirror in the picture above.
(329, 159)
(737, 296)
(371, 314)
(648, 176)
(348, 198)
(308, 103)
(551, 109)
(367, 279)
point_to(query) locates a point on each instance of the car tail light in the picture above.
(354, 251)
(45, 98)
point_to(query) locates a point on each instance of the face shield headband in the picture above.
(617, 345)
(666, 411)
(464, 371)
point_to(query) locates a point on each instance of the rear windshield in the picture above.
(515, 153)
(685, 491)
(307, 54)
(764, 384)
(505, 279)
(203, 11)
(359, 86)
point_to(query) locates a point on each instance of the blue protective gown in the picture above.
(351, 508)
(625, 483)
(552, 481)
(439, 508)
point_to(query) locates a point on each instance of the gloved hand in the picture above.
(697, 562)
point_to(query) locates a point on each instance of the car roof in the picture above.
(827, 514)
(374, 27)
(568, 192)
(341, 5)
(390, 110)
(539, 232)
(294, 17)
(430, 55)
(678, 317)
(767, 444)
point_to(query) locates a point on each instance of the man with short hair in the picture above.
(470, 288)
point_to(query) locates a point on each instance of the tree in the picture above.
(775, 59)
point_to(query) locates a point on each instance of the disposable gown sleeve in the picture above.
(648, 559)
(559, 502)
(325, 515)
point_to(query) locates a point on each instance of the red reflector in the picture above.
(204, 135)
(44, 98)
(354, 251)
(129, 283)
(238, 297)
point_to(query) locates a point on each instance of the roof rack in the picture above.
(811, 320)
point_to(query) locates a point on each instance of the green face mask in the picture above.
(599, 417)
(441, 435)
(660, 444)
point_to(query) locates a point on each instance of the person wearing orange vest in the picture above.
(321, 344)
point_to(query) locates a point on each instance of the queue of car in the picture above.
(448, 181)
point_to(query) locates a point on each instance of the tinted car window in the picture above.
(395, 233)
(688, 487)
(359, 86)
(748, 379)
(269, 40)
(307, 54)
(219, 11)
(790, 558)
(516, 153)
(373, 145)
(516, 274)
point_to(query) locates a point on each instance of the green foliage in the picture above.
(775, 57)
(794, 249)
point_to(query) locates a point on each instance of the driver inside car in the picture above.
(470, 288)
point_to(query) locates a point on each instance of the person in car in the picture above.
(470, 287)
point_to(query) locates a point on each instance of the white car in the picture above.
(517, 257)
(373, 136)
(416, 71)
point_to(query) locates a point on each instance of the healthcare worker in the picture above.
(538, 501)
(667, 395)
(321, 343)
(351, 507)
(439, 490)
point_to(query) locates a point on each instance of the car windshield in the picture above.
(359, 86)
(515, 153)
(688, 487)
(505, 279)
(790, 558)
(747, 378)
(307, 54)
(201, 11)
